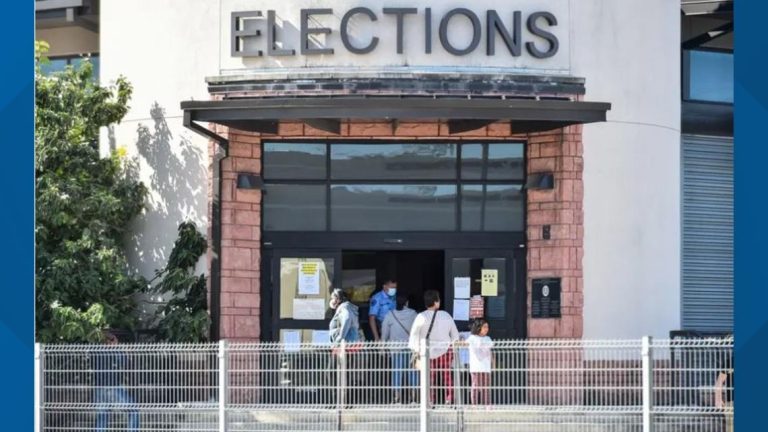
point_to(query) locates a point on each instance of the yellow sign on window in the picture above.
(489, 282)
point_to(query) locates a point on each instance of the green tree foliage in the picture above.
(185, 317)
(83, 206)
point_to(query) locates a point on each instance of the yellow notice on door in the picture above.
(490, 282)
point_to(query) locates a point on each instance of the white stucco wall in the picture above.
(164, 49)
(627, 51)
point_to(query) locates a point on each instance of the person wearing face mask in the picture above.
(381, 304)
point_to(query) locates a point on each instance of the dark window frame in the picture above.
(458, 181)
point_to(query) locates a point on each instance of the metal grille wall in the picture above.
(707, 268)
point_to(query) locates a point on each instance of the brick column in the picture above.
(240, 244)
(559, 152)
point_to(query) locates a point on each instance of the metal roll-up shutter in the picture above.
(707, 267)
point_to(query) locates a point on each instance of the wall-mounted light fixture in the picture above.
(540, 181)
(249, 181)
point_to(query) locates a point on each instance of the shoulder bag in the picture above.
(416, 357)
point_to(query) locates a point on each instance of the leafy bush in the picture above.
(83, 206)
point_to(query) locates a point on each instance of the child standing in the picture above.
(480, 362)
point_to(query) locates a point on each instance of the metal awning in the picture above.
(327, 113)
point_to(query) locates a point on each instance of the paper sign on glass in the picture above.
(292, 339)
(308, 309)
(461, 287)
(321, 337)
(489, 282)
(476, 306)
(309, 278)
(461, 310)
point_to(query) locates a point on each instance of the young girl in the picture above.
(480, 362)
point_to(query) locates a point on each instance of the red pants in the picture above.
(481, 382)
(441, 365)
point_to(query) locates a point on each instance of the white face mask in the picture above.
(391, 292)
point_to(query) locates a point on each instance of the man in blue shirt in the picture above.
(381, 303)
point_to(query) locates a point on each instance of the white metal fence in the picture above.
(535, 385)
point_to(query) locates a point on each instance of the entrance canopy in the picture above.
(263, 114)
(531, 103)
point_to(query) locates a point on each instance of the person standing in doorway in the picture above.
(438, 329)
(381, 304)
(480, 362)
(397, 328)
(109, 365)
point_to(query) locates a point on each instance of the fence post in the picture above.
(341, 383)
(38, 387)
(458, 387)
(424, 401)
(647, 353)
(223, 385)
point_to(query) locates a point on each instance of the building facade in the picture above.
(536, 146)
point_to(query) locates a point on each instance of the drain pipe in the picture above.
(220, 152)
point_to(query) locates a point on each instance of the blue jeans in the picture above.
(105, 397)
(401, 368)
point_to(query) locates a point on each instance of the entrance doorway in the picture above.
(364, 272)
(351, 263)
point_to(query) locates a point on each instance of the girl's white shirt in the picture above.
(479, 353)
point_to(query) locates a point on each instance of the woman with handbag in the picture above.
(436, 328)
(396, 327)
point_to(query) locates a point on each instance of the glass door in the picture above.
(502, 302)
(296, 290)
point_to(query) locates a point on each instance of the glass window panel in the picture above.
(506, 161)
(294, 207)
(710, 76)
(53, 66)
(96, 67)
(289, 283)
(472, 161)
(393, 161)
(76, 62)
(294, 161)
(393, 207)
(471, 207)
(494, 307)
(504, 208)
(492, 208)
